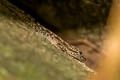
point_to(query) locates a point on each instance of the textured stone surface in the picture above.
(67, 14)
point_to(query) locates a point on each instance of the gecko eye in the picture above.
(80, 53)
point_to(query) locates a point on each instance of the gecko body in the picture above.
(59, 42)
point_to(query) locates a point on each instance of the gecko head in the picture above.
(82, 58)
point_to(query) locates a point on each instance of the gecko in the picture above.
(58, 42)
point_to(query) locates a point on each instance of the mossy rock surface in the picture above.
(26, 55)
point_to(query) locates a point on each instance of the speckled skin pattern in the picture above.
(58, 42)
